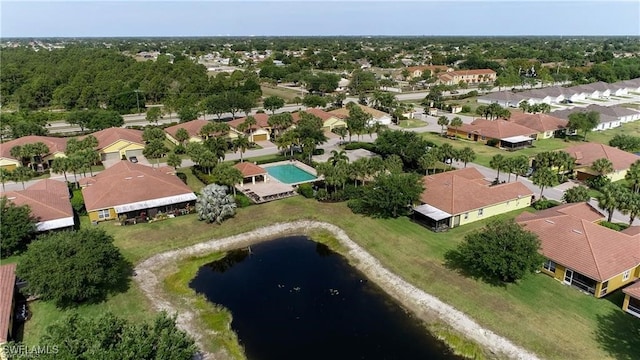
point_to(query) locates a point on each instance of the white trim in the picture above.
(55, 224)
(151, 203)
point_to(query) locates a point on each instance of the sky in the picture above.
(138, 18)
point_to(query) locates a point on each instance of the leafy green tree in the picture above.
(443, 121)
(427, 161)
(174, 160)
(633, 176)
(187, 113)
(214, 204)
(87, 268)
(466, 155)
(5, 175)
(155, 149)
(502, 251)
(225, 174)
(241, 144)
(390, 194)
(544, 177)
(182, 136)
(625, 142)
(153, 114)
(406, 144)
(576, 194)
(584, 121)
(153, 133)
(456, 122)
(273, 103)
(357, 120)
(498, 162)
(107, 336)
(602, 166)
(314, 101)
(610, 198)
(18, 227)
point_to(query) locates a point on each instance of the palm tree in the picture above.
(610, 198)
(524, 106)
(22, 174)
(520, 165)
(241, 143)
(61, 165)
(37, 151)
(5, 175)
(250, 121)
(630, 205)
(544, 177)
(427, 161)
(466, 155)
(338, 157)
(446, 152)
(286, 141)
(602, 166)
(633, 176)
(174, 160)
(443, 121)
(214, 204)
(182, 136)
(498, 162)
(456, 122)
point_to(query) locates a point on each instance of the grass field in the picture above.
(286, 94)
(538, 313)
(603, 137)
(411, 123)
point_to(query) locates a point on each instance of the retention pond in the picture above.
(292, 298)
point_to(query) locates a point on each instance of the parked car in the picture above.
(133, 159)
(529, 172)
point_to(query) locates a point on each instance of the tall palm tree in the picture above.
(5, 175)
(610, 198)
(22, 174)
(498, 162)
(602, 166)
(241, 143)
(466, 155)
(443, 121)
(427, 161)
(630, 204)
(456, 122)
(633, 176)
(250, 121)
(61, 165)
(338, 157)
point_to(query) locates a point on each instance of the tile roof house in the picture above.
(585, 154)
(133, 189)
(192, 127)
(7, 301)
(57, 147)
(475, 76)
(49, 201)
(463, 196)
(503, 98)
(115, 143)
(330, 120)
(581, 253)
(377, 116)
(261, 131)
(417, 71)
(506, 134)
(631, 302)
(547, 126)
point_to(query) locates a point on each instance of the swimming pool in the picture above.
(289, 174)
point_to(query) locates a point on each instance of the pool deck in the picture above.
(272, 189)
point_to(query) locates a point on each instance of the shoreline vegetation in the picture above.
(161, 276)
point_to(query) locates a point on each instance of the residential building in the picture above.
(503, 133)
(460, 197)
(49, 201)
(585, 154)
(57, 147)
(192, 127)
(330, 120)
(377, 116)
(605, 122)
(251, 172)
(418, 71)
(631, 303)
(261, 131)
(7, 302)
(503, 98)
(546, 126)
(476, 76)
(581, 253)
(118, 143)
(134, 190)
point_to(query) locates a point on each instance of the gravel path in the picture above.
(151, 272)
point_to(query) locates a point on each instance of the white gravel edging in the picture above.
(410, 296)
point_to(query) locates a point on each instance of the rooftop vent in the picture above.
(577, 231)
(549, 221)
(128, 178)
(140, 175)
(11, 198)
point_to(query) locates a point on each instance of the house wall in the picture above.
(617, 175)
(93, 215)
(9, 164)
(492, 210)
(558, 275)
(333, 122)
(616, 282)
(122, 147)
(463, 134)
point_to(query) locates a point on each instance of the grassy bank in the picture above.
(539, 313)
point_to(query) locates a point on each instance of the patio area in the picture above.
(262, 192)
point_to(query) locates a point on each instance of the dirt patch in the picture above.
(427, 307)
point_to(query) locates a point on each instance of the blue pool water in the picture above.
(289, 174)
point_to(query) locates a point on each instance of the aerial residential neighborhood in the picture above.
(282, 193)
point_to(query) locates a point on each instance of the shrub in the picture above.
(361, 145)
(305, 190)
(182, 177)
(466, 108)
(492, 142)
(322, 194)
(179, 149)
(206, 179)
(275, 158)
(544, 204)
(77, 202)
(614, 226)
(598, 182)
(242, 200)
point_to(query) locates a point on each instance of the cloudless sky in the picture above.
(315, 18)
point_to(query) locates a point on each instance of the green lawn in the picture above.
(286, 94)
(603, 137)
(484, 153)
(411, 123)
(539, 313)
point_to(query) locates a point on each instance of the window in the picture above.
(104, 214)
(483, 138)
(508, 202)
(480, 212)
(625, 275)
(466, 216)
(550, 266)
(468, 136)
(605, 285)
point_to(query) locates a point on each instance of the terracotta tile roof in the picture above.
(127, 182)
(496, 129)
(471, 72)
(53, 143)
(580, 210)
(262, 121)
(581, 245)
(193, 127)
(343, 113)
(7, 288)
(633, 290)
(538, 122)
(111, 135)
(249, 169)
(585, 154)
(432, 68)
(631, 230)
(466, 189)
(48, 200)
(319, 113)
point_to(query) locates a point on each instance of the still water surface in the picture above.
(292, 298)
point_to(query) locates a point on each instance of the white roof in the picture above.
(517, 139)
(55, 224)
(146, 204)
(431, 212)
